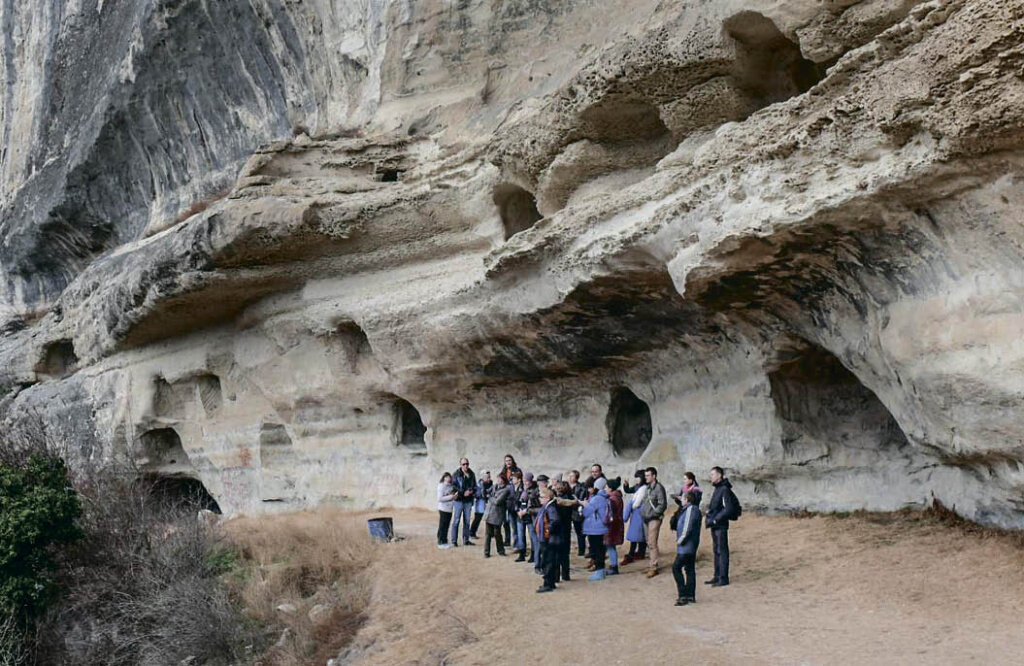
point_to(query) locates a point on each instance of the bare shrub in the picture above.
(305, 560)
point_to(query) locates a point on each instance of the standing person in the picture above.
(508, 468)
(596, 472)
(513, 515)
(542, 482)
(483, 492)
(595, 526)
(579, 491)
(614, 537)
(464, 481)
(495, 515)
(548, 526)
(446, 495)
(723, 507)
(529, 504)
(687, 542)
(631, 515)
(568, 508)
(690, 486)
(653, 511)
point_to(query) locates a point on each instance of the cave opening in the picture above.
(827, 416)
(211, 395)
(409, 425)
(181, 493)
(58, 359)
(769, 66)
(629, 423)
(618, 119)
(517, 207)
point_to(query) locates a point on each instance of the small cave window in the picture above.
(409, 425)
(58, 359)
(273, 435)
(210, 393)
(769, 66)
(161, 449)
(622, 120)
(388, 175)
(354, 342)
(517, 207)
(629, 423)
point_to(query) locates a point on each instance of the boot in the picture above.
(611, 571)
(522, 557)
(628, 559)
(651, 573)
(682, 601)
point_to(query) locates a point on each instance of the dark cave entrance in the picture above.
(58, 360)
(518, 209)
(629, 423)
(172, 479)
(409, 426)
(827, 415)
(181, 493)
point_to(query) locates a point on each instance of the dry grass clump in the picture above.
(312, 565)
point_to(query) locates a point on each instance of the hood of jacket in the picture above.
(724, 482)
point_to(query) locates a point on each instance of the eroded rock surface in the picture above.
(316, 251)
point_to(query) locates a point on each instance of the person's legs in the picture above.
(477, 517)
(677, 573)
(641, 550)
(690, 588)
(534, 546)
(550, 564)
(507, 526)
(563, 556)
(467, 517)
(716, 540)
(443, 520)
(581, 541)
(597, 549)
(456, 517)
(723, 554)
(653, 530)
(520, 539)
(488, 533)
(613, 559)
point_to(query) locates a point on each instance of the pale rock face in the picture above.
(315, 252)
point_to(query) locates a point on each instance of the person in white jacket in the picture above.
(445, 503)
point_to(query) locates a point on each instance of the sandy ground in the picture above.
(821, 590)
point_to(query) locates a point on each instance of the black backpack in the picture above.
(739, 508)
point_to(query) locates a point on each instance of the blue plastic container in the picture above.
(381, 529)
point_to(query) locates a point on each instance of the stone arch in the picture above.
(517, 207)
(57, 360)
(629, 423)
(164, 464)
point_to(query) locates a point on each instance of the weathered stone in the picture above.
(315, 252)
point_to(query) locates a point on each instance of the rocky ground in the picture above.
(868, 589)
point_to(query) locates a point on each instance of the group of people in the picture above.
(520, 509)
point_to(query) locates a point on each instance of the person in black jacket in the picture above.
(687, 542)
(464, 481)
(723, 506)
(579, 491)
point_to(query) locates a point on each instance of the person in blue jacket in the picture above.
(595, 525)
(687, 542)
(548, 526)
(483, 493)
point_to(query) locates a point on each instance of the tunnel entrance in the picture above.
(181, 493)
(828, 417)
(629, 423)
(409, 426)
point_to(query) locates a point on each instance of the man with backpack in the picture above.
(723, 507)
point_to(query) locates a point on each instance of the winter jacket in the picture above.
(567, 509)
(529, 500)
(497, 504)
(548, 524)
(723, 505)
(464, 482)
(594, 514)
(507, 472)
(614, 536)
(579, 491)
(635, 522)
(696, 490)
(483, 491)
(655, 502)
(445, 497)
(688, 530)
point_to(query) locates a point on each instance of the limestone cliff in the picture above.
(314, 251)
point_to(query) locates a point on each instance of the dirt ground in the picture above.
(818, 590)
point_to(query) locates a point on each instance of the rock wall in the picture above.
(315, 251)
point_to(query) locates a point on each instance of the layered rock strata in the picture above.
(316, 251)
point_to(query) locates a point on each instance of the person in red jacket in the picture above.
(616, 527)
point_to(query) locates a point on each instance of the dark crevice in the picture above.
(628, 423)
(58, 360)
(517, 207)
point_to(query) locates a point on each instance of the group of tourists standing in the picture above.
(519, 509)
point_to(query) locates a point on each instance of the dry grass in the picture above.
(305, 560)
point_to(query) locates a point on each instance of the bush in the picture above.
(38, 509)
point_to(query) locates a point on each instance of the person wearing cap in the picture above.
(464, 481)
(595, 526)
(483, 492)
(548, 526)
